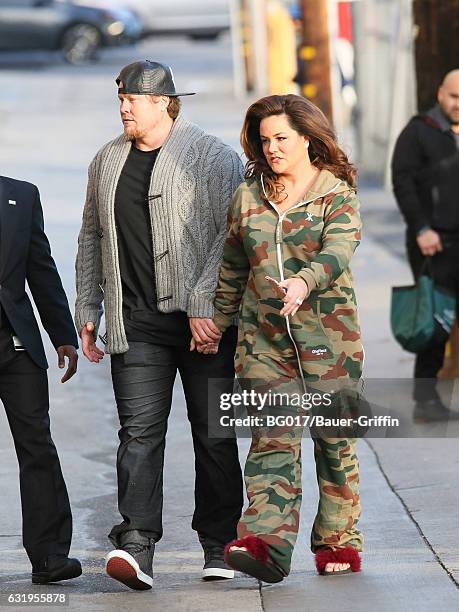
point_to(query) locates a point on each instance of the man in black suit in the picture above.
(25, 255)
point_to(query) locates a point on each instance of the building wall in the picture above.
(385, 79)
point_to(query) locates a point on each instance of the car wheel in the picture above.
(80, 43)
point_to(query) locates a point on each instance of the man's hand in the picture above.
(204, 331)
(69, 351)
(297, 292)
(429, 242)
(90, 350)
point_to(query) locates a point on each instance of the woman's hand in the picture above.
(297, 292)
(208, 348)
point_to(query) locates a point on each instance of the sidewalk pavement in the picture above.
(409, 498)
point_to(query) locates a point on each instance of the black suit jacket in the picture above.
(25, 254)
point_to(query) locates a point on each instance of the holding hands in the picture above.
(206, 336)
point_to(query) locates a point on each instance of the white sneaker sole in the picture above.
(217, 573)
(122, 566)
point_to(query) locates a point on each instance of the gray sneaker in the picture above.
(132, 562)
(215, 567)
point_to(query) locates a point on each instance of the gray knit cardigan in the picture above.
(192, 182)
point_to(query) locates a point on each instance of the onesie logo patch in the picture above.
(319, 351)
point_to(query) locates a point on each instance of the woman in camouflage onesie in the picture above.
(295, 218)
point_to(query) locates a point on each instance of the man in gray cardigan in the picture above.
(150, 246)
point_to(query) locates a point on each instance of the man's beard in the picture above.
(134, 134)
(453, 118)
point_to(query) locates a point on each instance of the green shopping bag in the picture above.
(444, 311)
(411, 314)
(421, 311)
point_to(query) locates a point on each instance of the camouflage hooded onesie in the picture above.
(319, 345)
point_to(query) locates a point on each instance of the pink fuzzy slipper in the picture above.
(348, 554)
(250, 555)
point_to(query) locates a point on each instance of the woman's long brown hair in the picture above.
(306, 119)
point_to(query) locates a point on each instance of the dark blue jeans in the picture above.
(143, 379)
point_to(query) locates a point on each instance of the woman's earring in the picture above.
(306, 144)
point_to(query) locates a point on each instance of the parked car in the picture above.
(199, 19)
(77, 28)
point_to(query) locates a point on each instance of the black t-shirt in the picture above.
(142, 320)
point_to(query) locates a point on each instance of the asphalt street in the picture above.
(53, 118)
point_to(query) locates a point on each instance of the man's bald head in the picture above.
(448, 96)
(451, 79)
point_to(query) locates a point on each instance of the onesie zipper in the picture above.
(280, 262)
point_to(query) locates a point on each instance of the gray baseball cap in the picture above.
(147, 77)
